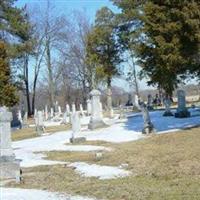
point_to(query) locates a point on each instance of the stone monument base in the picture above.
(168, 114)
(182, 114)
(148, 129)
(10, 169)
(96, 124)
(77, 140)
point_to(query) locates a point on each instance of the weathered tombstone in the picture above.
(167, 102)
(101, 109)
(67, 109)
(109, 103)
(149, 102)
(64, 120)
(81, 110)
(76, 128)
(25, 119)
(40, 123)
(73, 108)
(59, 111)
(20, 119)
(181, 111)
(96, 120)
(121, 112)
(9, 166)
(148, 126)
(52, 113)
(89, 107)
(56, 107)
(46, 113)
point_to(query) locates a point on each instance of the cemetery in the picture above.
(81, 124)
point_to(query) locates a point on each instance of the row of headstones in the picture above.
(94, 108)
(50, 115)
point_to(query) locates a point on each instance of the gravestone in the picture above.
(109, 103)
(25, 120)
(46, 113)
(76, 128)
(121, 112)
(67, 109)
(73, 108)
(81, 110)
(52, 113)
(20, 119)
(167, 102)
(96, 120)
(64, 120)
(40, 123)
(150, 102)
(148, 126)
(181, 111)
(9, 166)
(89, 107)
(56, 107)
(59, 111)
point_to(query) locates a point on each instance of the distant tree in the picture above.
(103, 50)
(7, 89)
(165, 36)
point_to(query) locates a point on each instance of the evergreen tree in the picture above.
(7, 90)
(166, 40)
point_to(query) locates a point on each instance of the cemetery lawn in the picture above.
(30, 132)
(165, 166)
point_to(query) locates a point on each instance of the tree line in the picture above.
(69, 56)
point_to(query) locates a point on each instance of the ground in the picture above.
(160, 166)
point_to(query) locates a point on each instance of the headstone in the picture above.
(101, 109)
(148, 126)
(9, 166)
(25, 119)
(121, 114)
(64, 121)
(56, 107)
(181, 111)
(46, 113)
(149, 102)
(52, 113)
(96, 120)
(59, 111)
(167, 102)
(89, 107)
(76, 128)
(109, 103)
(20, 118)
(73, 108)
(40, 123)
(81, 110)
(67, 109)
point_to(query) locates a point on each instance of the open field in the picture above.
(163, 166)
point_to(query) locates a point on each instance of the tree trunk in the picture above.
(50, 74)
(26, 81)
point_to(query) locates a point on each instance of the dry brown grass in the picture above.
(163, 167)
(30, 132)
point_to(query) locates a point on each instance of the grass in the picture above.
(163, 167)
(30, 132)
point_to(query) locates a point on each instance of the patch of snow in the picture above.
(101, 172)
(31, 194)
(27, 150)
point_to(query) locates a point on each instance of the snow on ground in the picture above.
(101, 172)
(163, 124)
(31, 194)
(25, 149)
